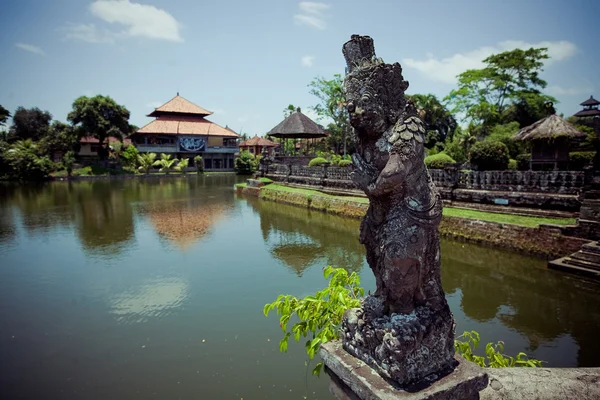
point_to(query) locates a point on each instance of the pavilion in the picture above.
(256, 145)
(297, 126)
(550, 140)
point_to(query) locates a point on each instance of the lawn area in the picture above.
(529, 221)
(90, 170)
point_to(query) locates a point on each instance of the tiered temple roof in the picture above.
(181, 116)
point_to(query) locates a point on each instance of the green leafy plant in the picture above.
(317, 162)
(129, 156)
(513, 164)
(494, 357)
(344, 163)
(579, 159)
(320, 316)
(245, 163)
(182, 165)
(165, 163)
(146, 162)
(490, 155)
(438, 161)
(199, 162)
(68, 161)
(523, 162)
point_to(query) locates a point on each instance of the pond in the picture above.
(154, 288)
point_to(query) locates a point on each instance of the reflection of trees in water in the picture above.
(301, 238)
(544, 304)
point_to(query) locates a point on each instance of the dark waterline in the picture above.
(154, 289)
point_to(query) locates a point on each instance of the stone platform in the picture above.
(354, 379)
(585, 262)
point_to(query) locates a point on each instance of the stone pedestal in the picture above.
(353, 379)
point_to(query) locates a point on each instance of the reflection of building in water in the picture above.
(152, 300)
(183, 223)
(302, 239)
(523, 295)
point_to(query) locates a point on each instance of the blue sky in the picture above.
(247, 60)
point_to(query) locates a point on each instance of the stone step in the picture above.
(581, 263)
(586, 256)
(592, 247)
(561, 265)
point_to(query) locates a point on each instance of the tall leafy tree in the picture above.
(30, 123)
(60, 137)
(509, 81)
(4, 115)
(436, 115)
(332, 105)
(100, 117)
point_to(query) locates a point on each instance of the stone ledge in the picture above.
(463, 383)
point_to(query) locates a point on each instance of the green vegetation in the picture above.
(506, 218)
(578, 160)
(310, 192)
(490, 155)
(182, 165)
(145, 162)
(199, 162)
(317, 162)
(266, 181)
(246, 163)
(166, 163)
(27, 162)
(320, 316)
(90, 170)
(438, 161)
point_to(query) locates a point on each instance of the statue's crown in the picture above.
(358, 50)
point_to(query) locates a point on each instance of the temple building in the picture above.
(181, 129)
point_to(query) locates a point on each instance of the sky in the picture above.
(247, 60)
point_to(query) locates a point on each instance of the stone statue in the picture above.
(405, 330)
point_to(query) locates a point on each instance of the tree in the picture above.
(332, 106)
(31, 123)
(165, 163)
(60, 137)
(289, 110)
(199, 162)
(437, 117)
(100, 117)
(68, 161)
(25, 162)
(244, 164)
(146, 162)
(182, 165)
(509, 81)
(4, 115)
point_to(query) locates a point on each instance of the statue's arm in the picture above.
(391, 177)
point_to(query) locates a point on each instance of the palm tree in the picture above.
(165, 163)
(182, 165)
(146, 161)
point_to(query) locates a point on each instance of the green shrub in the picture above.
(317, 162)
(523, 162)
(344, 163)
(129, 156)
(580, 159)
(245, 164)
(199, 162)
(490, 155)
(438, 161)
(505, 134)
(512, 164)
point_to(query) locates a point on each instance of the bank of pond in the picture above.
(155, 288)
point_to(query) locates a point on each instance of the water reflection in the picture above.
(153, 299)
(301, 238)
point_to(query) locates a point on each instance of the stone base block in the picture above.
(354, 379)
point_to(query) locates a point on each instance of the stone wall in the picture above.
(553, 190)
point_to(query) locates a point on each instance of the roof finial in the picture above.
(298, 109)
(177, 93)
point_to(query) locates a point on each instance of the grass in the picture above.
(528, 221)
(506, 218)
(90, 170)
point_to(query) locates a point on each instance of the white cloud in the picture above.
(137, 20)
(312, 14)
(556, 90)
(89, 33)
(308, 61)
(446, 69)
(30, 48)
(140, 19)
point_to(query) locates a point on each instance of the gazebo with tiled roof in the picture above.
(180, 128)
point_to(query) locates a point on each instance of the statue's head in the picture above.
(374, 90)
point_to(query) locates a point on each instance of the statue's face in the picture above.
(364, 107)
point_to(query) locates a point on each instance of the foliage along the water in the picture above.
(320, 316)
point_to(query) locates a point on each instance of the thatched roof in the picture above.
(550, 127)
(297, 125)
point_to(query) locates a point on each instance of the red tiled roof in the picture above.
(179, 105)
(91, 139)
(186, 126)
(258, 141)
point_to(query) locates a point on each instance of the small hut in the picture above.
(256, 145)
(298, 126)
(550, 140)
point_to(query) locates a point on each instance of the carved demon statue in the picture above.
(405, 330)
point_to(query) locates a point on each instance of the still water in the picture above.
(154, 288)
